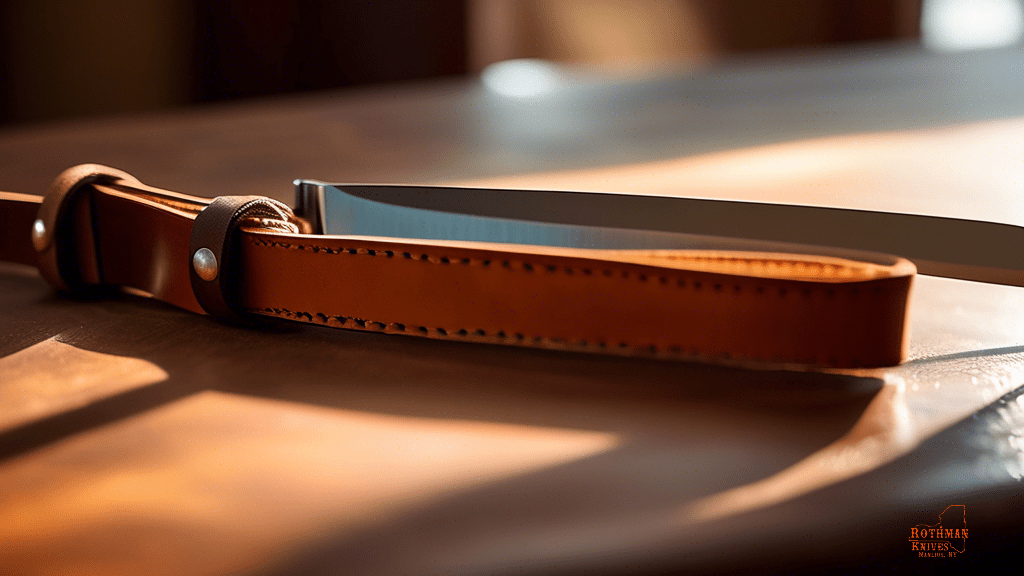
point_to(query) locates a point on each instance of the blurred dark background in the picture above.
(61, 59)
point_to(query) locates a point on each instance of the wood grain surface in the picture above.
(140, 439)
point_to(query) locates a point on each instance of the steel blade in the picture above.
(956, 248)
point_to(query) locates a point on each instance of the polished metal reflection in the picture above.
(562, 219)
(955, 248)
(205, 264)
(39, 235)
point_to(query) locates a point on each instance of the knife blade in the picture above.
(950, 247)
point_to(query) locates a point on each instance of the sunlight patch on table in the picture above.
(53, 377)
(250, 479)
(931, 170)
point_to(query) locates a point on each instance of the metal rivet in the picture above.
(205, 264)
(39, 235)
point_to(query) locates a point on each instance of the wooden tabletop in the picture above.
(136, 438)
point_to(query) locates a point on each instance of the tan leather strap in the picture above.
(214, 235)
(67, 257)
(756, 307)
(17, 215)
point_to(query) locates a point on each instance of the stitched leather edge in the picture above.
(214, 229)
(604, 267)
(727, 285)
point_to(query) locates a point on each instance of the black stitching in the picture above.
(754, 261)
(682, 282)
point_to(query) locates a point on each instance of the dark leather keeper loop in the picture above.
(64, 254)
(215, 240)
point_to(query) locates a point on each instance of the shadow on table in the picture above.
(396, 375)
(686, 430)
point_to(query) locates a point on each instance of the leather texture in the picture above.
(16, 212)
(779, 309)
(67, 257)
(215, 230)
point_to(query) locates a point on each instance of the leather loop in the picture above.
(66, 260)
(214, 230)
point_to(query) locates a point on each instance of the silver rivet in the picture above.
(39, 235)
(205, 264)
